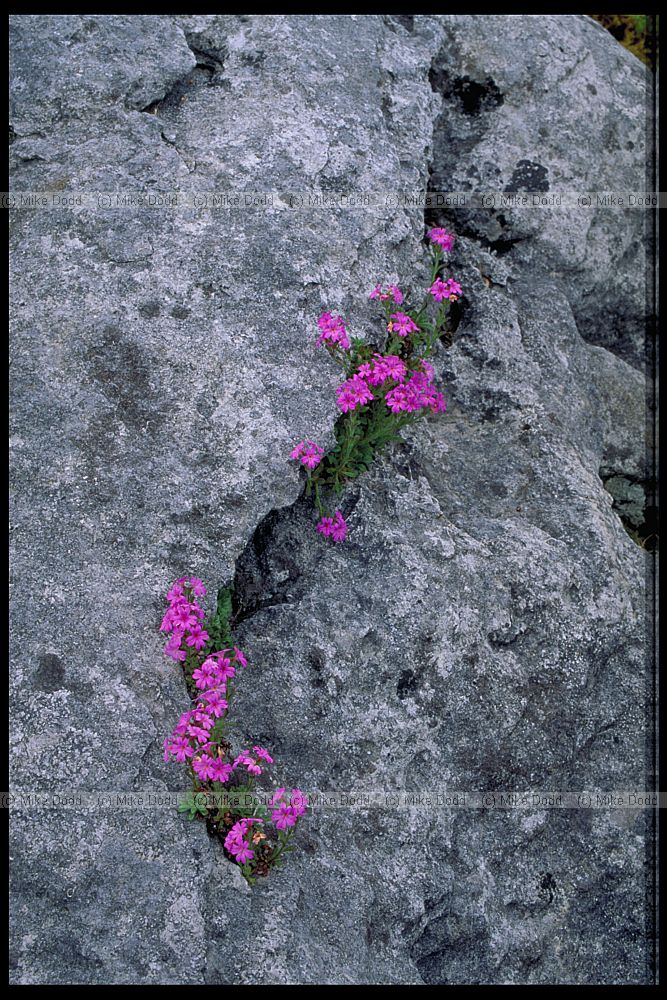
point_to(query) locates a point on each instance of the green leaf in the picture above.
(219, 626)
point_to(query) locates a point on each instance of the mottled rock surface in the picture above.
(485, 626)
(543, 107)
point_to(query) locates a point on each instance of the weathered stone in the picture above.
(546, 105)
(484, 627)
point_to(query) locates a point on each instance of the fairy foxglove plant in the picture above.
(388, 384)
(255, 834)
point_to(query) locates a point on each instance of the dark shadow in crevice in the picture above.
(406, 21)
(282, 556)
(471, 97)
(268, 573)
(207, 73)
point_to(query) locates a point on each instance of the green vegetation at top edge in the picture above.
(634, 32)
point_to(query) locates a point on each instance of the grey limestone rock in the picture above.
(483, 629)
(541, 107)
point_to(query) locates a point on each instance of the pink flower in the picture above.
(287, 813)
(225, 670)
(183, 616)
(299, 801)
(180, 748)
(221, 771)
(202, 716)
(332, 331)
(442, 238)
(428, 369)
(198, 637)
(453, 288)
(204, 676)
(325, 526)
(311, 459)
(176, 593)
(204, 766)
(183, 723)
(386, 367)
(438, 405)
(284, 816)
(334, 527)
(416, 394)
(310, 453)
(263, 754)
(198, 733)
(240, 657)
(352, 393)
(168, 621)
(277, 795)
(393, 292)
(339, 529)
(402, 324)
(244, 853)
(449, 289)
(249, 763)
(197, 586)
(235, 841)
(216, 703)
(173, 648)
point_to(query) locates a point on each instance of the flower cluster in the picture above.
(388, 382)
(332, 331)
(333, 527)
(393, 292)
(251, 760)
(198, 739)
(287, 812)
(417, 393)
(402, 324)
(352, 393)
(441, 238)
(309, 453)
(193, 735)
(449, 289)
(236, 843)
(383, 368)
(183, 618)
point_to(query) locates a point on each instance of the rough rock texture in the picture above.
(484, 627)
(532, 105)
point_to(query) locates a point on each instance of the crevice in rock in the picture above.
(471, 97)
(406, 21)
(277, 564)
(469, 102)
(207, 73)
(264, 577)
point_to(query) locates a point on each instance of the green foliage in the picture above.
(634, 32)
(219, 626)
(363, 432)
(360, 437)
(193, 803)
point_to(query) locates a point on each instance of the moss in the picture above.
(636, 32)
